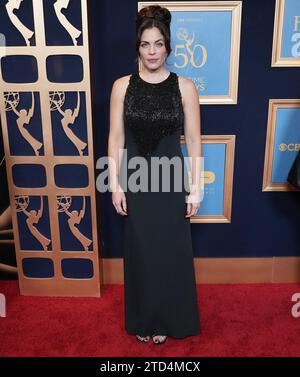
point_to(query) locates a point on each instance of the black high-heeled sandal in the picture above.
(143, 339)
(156, 342)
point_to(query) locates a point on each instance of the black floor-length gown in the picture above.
(159, 279)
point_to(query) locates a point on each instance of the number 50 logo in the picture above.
(192, 52)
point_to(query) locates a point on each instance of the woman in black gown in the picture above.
(147, 114)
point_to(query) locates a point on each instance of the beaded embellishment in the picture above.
(152, 111)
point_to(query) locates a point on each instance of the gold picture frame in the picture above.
(229, 142)
(268, 184)
(277, 59)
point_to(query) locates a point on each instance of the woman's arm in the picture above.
(192, 134)
(116, 142)
(116, 138)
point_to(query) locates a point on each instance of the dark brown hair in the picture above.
(153, 16)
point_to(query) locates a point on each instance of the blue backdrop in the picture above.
(263, 224)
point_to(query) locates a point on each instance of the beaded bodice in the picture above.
(152, 111)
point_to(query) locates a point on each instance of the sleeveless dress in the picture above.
(160, 293)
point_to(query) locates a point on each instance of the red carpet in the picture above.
(237, 320)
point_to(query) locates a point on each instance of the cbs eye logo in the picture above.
(296, 307)
(288, 147)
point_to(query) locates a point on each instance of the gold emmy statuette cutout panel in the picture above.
(51, 98)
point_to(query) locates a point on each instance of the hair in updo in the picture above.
(154, 16)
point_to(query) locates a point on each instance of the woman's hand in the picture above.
(119, 201)
(193, 202)
(192, 208)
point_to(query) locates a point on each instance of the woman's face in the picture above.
(152, 49)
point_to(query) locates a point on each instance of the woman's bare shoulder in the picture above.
(186, 86)
(120, 84)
